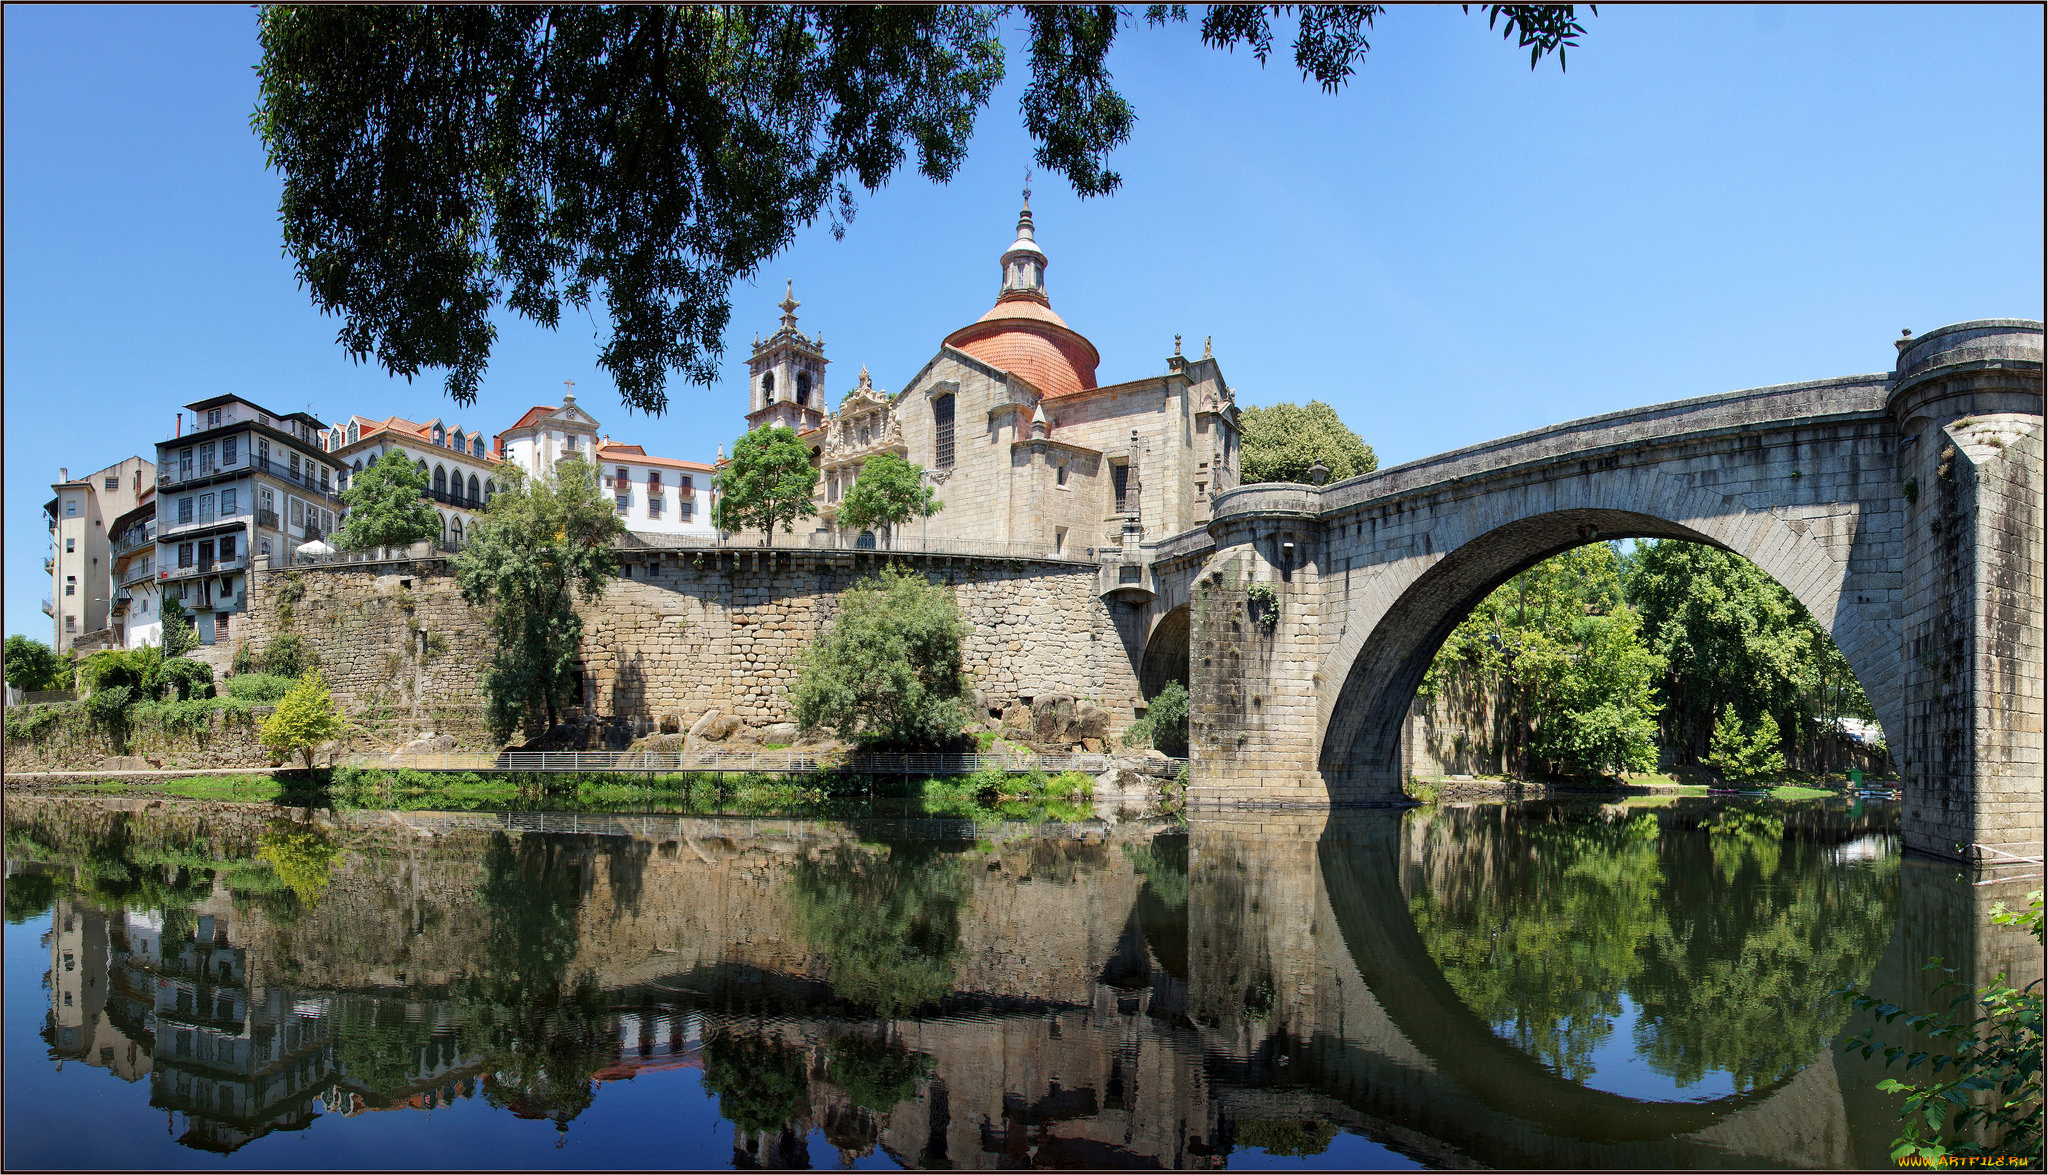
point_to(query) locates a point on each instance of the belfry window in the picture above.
(803, 388)
(942, 422)
(768, 387)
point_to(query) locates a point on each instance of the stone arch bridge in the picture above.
(1904, 509)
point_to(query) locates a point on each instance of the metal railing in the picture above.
(419, 550)
(903, 544)
(217, 567)
(132, 538)
(787, 762)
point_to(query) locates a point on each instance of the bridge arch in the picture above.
(1166, 653)
(1411, 607)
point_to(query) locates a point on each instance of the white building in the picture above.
(136, 617)
(80, 561)
(655, 495)
(461, 471)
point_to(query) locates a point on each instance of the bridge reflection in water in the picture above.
(1548, 984)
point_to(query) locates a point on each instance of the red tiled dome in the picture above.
(1026, 338)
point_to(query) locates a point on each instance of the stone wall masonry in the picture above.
(682, 633)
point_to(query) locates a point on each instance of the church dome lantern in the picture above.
(1022, 334)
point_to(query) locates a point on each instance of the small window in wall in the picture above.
(1120, 480)
(803, 387)
(228, 450)
(114, 482)
(70, 585)
(1059, 540)
(355, 432)
(942, 423)
(70, 545)
(1060, 473)
(685, 510)
(653, 507)
(71, 508)
(476, 446)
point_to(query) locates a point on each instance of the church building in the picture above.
(1023, 445)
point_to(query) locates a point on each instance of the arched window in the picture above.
(490, 491)
(803, 387)
(355, 432)
(768, 387)
(476, 446)
(942, 427)
(440, 480)
(444, 528)
(472, 489)
(423, 468)
(455, 441)
(440, 435)
(456, 526)
(359, 465)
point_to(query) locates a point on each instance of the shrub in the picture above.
(257, 687)
(287, 656)
(244, 662)
(30, 723)
(191, 679)
(305, 718)
(889, 672)
(140, 670)
(1165, 724)
(1741, 755)
(108, 708)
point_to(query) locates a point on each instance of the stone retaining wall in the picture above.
(683, 633)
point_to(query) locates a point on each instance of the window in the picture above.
(440, 437)
(625, 502)
(227, 450)
(184, 554)
(263, 453)
(70, 545)
(490, 491)
(440, 481)
(768, 387)
(456, 527)
(803, 387)
(295, 467)
(942, 421)
(114, 482)
(265, 501)
(184, 463)
(472, 489)
(71, 507)
(298, 512)
(323, 479)
(71, 624)
(685, 482)
(213, 418)
(653, 507)
(206, 459)
(423, 467)
(621, 474)
(227, 548)
(1059, 474)
(476, 446)
(355, 432)
(266, 546)
(685, 510)
(227, 503)
(70, 585)
(1120, 479)
(654, 481)
(184, 511)
(1059, 540)
(206, 507)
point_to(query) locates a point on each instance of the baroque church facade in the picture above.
(1028, 451)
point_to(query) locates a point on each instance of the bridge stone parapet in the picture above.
(1903, 510)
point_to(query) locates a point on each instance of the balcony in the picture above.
(203, 568)
(267, 519)
(140, 573)
(460, 501)
(49, 609)
(49, 565)
(132, 539)
(203, 519)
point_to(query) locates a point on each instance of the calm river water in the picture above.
(1556, 983)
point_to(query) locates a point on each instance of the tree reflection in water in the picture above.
(1726, 935)
(886, 919)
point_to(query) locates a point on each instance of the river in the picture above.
(1556, 983)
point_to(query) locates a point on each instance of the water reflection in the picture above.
(1540, 985)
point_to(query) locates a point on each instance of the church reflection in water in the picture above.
(1546, 984)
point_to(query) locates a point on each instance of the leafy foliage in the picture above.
(33, 665)
(770, 480)
(387, 505)
(889, 671)
(889, 492)
(180, 629)
(288, 656)
(257, 687)
(440, 162)
(541, 545)
(1746, 755)
(1994, 1071)
(187, 679)
(1563, 651)
(1165, 724)
(887, 923)
(139, 670)
(303, 857)
(1293, 1137)
(1283, 441)
(876, 1074)
(304, 718)
(759, 1081)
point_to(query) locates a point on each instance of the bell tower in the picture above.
(786, 375)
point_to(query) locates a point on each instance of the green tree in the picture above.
(302, 856)
(1564, 655)
(887, 923)
(304, 718)
(876, 1074)
(770, 480)
(889, 492)
(387, 505)
(1165, 724)
(438, 162)
(1741, 754)
(33, 665)
(1283, 441)
(541, 546)
(181, 633)
(287, 655)
(759, 1081)
(889, 671)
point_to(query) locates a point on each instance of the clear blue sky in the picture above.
(1451, 248)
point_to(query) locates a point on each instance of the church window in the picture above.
(768, 387)
(803, 387)
(440, 482)
(1060, 473)
(1120, 479)
(473, 499)
(942, 420)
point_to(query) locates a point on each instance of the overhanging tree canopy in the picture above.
(439, 161)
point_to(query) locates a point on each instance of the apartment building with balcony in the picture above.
(243, 481)
(461, 469)
(656, 495)
(80, 560)
(136, 615)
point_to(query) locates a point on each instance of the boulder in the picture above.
(1090, 722)
(124, 763)
(1123, 794)
(657, 744)
(671, 723)
(1052, 717)
(779, 732)
(1092, 745)
(714, 727)
(982, 706)
(429, 744)
(1017, 717)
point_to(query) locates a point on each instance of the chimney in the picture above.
(63, 473)
(181, 424)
